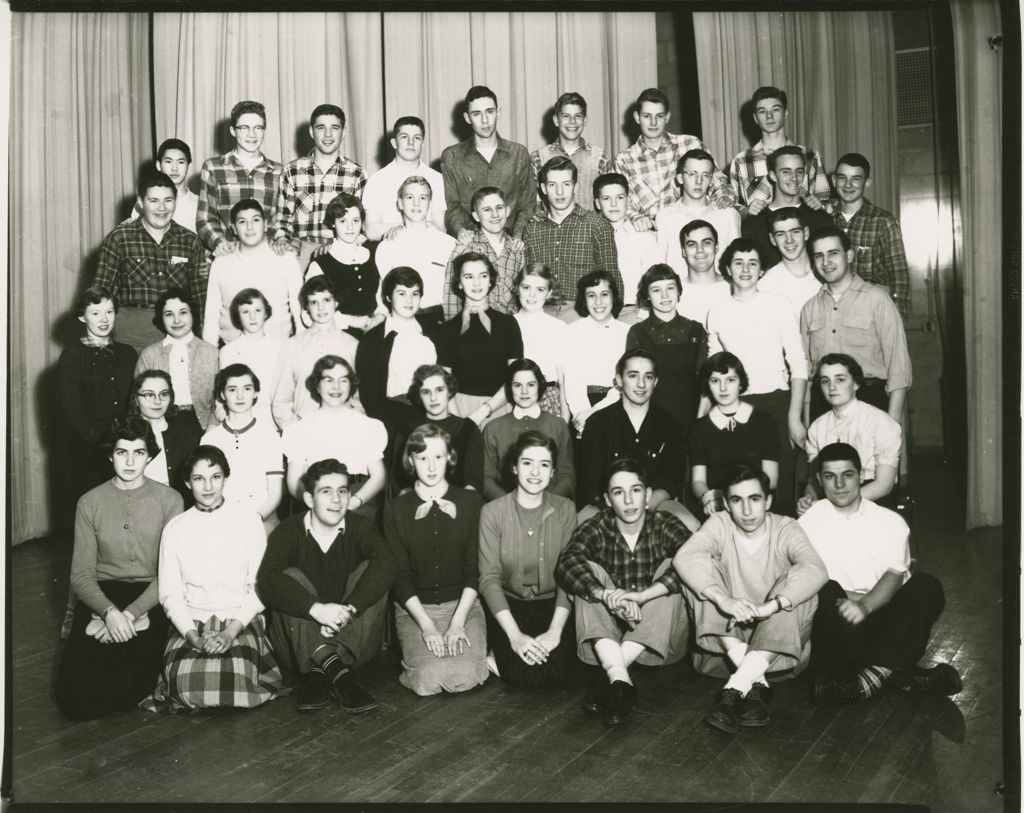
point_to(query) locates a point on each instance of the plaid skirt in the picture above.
(245, 676)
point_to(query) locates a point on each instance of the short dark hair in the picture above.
(630, 464)
(656, 273)
(161, 302)
(480, 92)
(855, 159)
(849, 362)
(408, 121)
(557, 164)
(740, 474)
(694, 155)
(735, 247)
(692, 226)
(469, 257)
(399, 275)
(131, 428)
(785, 213)
(236, 370)
(244, 205)
(327, 110)
(315, 285)
(246, 297)
(524, 365)
(417, 442)
(609, 179)
(340, 204)
(93, 295)
(207, 453)
(655, 95)
(635, 353)
(322, 365)
(530, 439)
(781, 152)
(592, 280)
(321, 468)
(483, 192)
(242, 108)
(571, 97)
(839, 451)
(173, 144)
(721, 363)
(425, 371)
(163, 375)
(826, 231)
(151, 178)
(770, 92)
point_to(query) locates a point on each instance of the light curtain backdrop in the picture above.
(837, 68)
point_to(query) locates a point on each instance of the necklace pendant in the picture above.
(529, 531)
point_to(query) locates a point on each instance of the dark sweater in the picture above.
(95, 387)
(478, 358)
(466, 441)
(290, 545)
(355, 286)
(720, 450)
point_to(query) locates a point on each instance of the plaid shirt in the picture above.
(590, 160)
(137, 269)
(581, 243)
(652, 175)
(223, 182)
(305, 192)
(748, 174)
(599, 540)
(502, 296)
(878, 254)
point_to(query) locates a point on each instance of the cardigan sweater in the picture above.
(95, 387)
(203, 361)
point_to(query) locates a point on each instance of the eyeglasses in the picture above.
(152, 397)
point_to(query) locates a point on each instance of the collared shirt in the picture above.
(636, 252)
(868, 429)
(323, 541)
(696, 301)
(304, 193)
(178, 363)
(671, 220)
(763, 332)
(748, 174)
(502, 296)
(878, 254)
(591, 351)
(254, 453)
(591, 161)
(291, 398)
(381, 193)
(860, 547)
(863, 323)
(96, 341)
(465, 170)
(652, 174)
(581, 243)
(599, 540)
(426, 250)
(137, 269)
(778, 280)
(185, 206)
(223, 182)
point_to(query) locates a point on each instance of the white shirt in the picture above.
(380, 196)
(426, 250)
(291, 398)
(261, 354)
(348, 436)
(592, 351)
(544, 341)
(277, 278)
(671, 219)
(797, 290)
(858, 548)
(178, 364)
(254, 453)
(876, 437)
(410, 350)
(208, 564)
(764, 334)
(156, 468)
(697, 300)
(185, 208)
(637, 251)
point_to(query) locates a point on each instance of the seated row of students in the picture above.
(621, 588)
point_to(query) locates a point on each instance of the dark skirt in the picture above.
(533, 618)
(96, 679)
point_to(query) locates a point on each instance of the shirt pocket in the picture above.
(863, 256)
(137, 268)
(856, 330)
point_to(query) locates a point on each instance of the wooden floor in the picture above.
(500, 744)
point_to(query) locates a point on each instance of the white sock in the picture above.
(735, 649)
(631, 650)
(750, 670)
(609, 653)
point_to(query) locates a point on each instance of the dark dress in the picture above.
(355, 286)
(721, 450)
(478, 358)
(467, 442)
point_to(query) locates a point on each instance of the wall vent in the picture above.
(914, 103)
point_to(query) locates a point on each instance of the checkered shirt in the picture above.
(878, 254)
(581, 243)
(137, 269)
(591, 161)
(502, 296)
(748, 174)
(305, 192)
(651, 175)
(223, 182)
(599, 540)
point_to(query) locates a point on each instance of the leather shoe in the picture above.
(754, 711)
(313, 693)
(595, 702)
(621, 703)
(941, 679)
(722, 714)
(351, 696)
(830, 691)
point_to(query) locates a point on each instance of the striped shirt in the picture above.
(223, 182)
(305, 192)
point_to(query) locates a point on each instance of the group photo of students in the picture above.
(545, 415)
